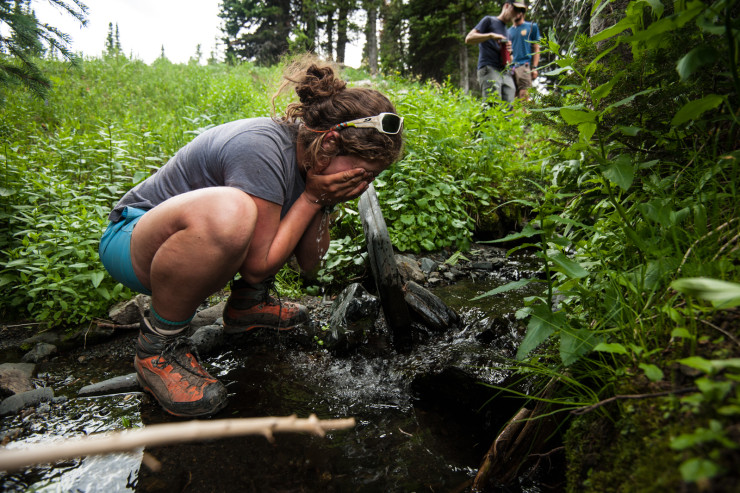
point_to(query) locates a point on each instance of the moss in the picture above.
(631, 454)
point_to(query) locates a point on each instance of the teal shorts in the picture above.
(115, 249)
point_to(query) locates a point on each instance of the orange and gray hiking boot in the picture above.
(250, 306)
(167, 368)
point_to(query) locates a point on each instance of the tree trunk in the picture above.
(342, 23)
(330, 35)
(464, 79)
(371, 38)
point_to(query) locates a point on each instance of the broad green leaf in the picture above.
(621, 174)
(696, 469)
(698, 363)
(576, 117)
(574, 344)
(693, 109)
(97, 278)
(527, 232)
(730, 410)
(696, 58)
(586, 130)
(557, 71)
(681, 332)
(139, 176)
(657, 7)
(407, 219)
(506, 287)
(630, 131)
(569, 267)
(606, 88)
(542, 324)
(722, 294)
(611, 347)
(654, 373)
(714, 390)
(612, 31)
(628, 100)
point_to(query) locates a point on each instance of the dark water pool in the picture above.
(414, 432)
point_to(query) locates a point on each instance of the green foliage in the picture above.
(28, 40)
(110, 123)
(65, 162)
(642, 206)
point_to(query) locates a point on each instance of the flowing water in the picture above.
(422, 419)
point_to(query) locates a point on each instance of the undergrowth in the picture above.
(638, 229)
(104, 127)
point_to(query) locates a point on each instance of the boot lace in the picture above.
(175, 350)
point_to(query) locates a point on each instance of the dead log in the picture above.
(521, 441)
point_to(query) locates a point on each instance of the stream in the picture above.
(424, 420)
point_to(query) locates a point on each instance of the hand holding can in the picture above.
(505, 51)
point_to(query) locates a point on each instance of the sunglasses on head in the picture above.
(387, 123)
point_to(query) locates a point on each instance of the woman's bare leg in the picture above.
(191, 245)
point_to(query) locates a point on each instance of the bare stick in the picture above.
(107, 325)
(164, 434)
(588, 409)
(730, 336)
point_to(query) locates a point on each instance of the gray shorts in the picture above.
(499, 82)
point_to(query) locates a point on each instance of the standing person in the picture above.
(493, 46)
(241, 198)
(525, 51)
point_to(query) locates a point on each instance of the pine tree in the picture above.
(257, 30)
(109, 43)
(29, 39)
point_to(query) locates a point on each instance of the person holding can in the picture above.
(494, 52)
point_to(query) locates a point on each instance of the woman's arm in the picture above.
(314, 243)
(274, 240)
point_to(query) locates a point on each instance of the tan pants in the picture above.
(522, 77)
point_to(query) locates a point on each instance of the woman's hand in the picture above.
(328, 190)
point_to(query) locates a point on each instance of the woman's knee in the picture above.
(228, 217)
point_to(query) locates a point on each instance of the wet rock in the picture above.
(385, 271)
(353, 313)
(47, 337)
(428, 308)
(428, 265)
(481, 265)
(409, 269)
(208, 339)
(16, 402)
(208, 316)
(40, 352)
(15, 378)
(43, 408)
(129, 312)
(117, 385)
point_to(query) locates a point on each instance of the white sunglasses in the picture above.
(387, 123)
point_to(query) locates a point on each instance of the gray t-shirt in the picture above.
(256, 155)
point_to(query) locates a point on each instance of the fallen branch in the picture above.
(165, 434)
(588, 409)
(497, 452)
(106, 325)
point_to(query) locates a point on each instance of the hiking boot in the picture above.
(250, 306)
(167, 368)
